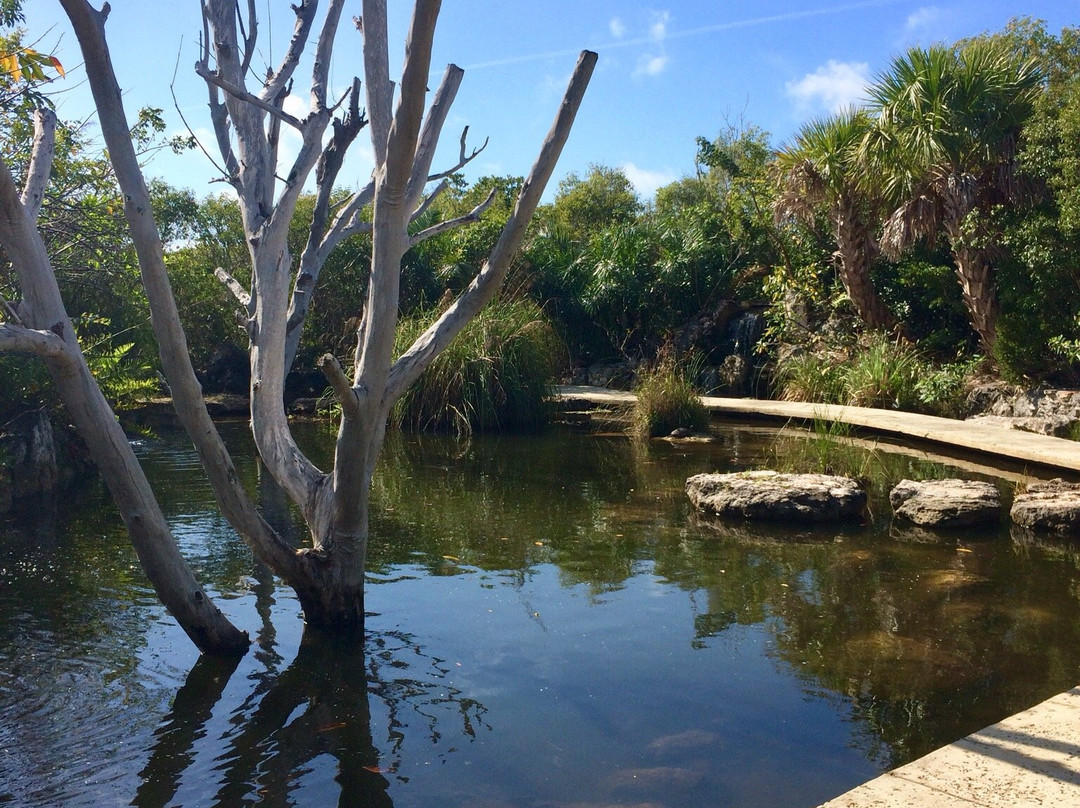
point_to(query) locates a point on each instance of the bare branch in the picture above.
(432, 131)
(340, 384)
(41, 160)
(320, 71)
(250, 36)
(194, 139)
(451, 224)
(380, 90)
(415, 360)
(13, 313)
(240, 94)
(429, 200)
(348, 222)
(463, 159)
(234, 286)
(305, 18)
(45, 344)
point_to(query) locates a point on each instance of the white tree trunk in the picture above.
(47, 331)
(328, 576)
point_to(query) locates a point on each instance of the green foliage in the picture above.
(604, 197)
(496, 374)
(124, 380)
(922, 288)
(667, 400)
(877, 372)
(806, 376)
(941, 389)
(884, 374)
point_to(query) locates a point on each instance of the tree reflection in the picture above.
(318, 711)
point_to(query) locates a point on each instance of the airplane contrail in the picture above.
(705, 29)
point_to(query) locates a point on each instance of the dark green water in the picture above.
(549, 626)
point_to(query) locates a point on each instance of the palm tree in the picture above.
(945, 146)
(820, 171)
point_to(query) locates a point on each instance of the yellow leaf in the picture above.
(9, 63)
(59, 67)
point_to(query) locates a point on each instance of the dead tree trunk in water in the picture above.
(328, 575)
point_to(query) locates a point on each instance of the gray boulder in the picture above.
(1051, 505)
(772, 496)
(946, 503)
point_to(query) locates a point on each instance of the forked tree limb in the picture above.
(233, 500)
(418, 357)
(452, 224)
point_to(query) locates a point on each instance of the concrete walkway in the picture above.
(1029, 759)
(1026, 447)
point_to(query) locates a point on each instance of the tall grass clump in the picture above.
(667, 400)
(879, 372)
(810, 377)
(497, 374)
(884, 373)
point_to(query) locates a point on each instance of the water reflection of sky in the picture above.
(549, 626)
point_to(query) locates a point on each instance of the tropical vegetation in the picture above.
(935, 227)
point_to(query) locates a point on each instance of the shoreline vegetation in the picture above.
(774, 270)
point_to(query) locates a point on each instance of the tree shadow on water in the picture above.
(319, 707)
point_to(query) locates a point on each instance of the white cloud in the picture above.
(832, 87)
(653, 64)
(649, 65)
(646, 182)
(922, 23)
(658, 27)
(617, 28)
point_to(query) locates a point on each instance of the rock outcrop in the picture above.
(946, 503)
(1052, 505)
(1043, 410)
(772, 496)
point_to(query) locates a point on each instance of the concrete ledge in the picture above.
(1030, 759)
(1026, 447)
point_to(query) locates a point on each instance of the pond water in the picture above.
(549, 625)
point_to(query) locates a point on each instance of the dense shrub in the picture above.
(497, 374)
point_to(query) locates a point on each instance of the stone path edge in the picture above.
(1025, 447)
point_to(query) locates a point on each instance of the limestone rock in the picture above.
(1044, 410)
(1052, 505)
(946, 503)
(772, 496)
(1058, 426)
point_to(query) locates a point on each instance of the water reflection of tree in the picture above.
(320, 705)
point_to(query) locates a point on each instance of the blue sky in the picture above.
(668, 71)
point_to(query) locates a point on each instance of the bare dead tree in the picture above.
(328, 575)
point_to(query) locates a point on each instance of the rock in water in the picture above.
(946, 503)
(771, 496)
(1052, 505)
